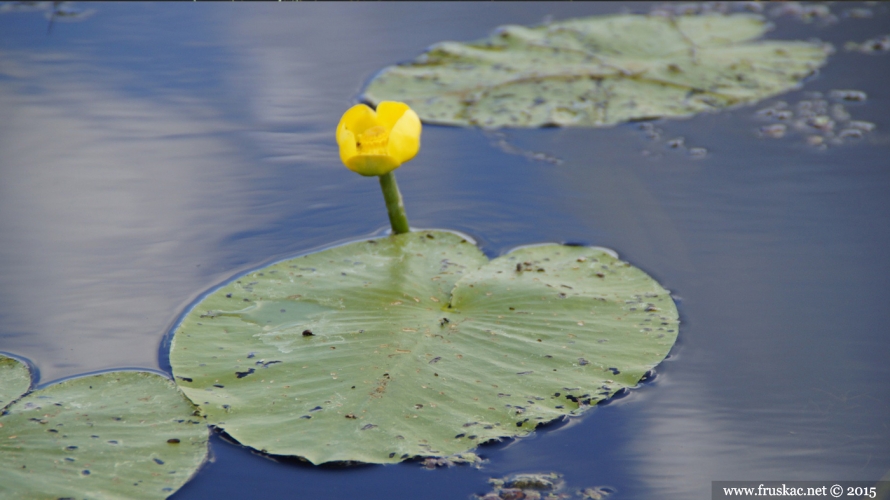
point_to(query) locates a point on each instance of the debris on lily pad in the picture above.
(15, 379)
(821, 120)
(599, 71)
(112, 435)
(539, 486)
(417, 346)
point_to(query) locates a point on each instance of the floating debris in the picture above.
(870, 46)
(678, 143)
(848, 95)
(779, 111)
(698, 152)
(839, 113)
(859, 13)
(820, 122)
(807, 13)
(470, 459)
(539, 486)
(500, 141)
(776, 131)
(861, 125)
(850, 133)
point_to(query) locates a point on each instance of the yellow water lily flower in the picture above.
(377, 142)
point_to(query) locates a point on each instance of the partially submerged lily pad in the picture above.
(112, 435)
(416, 345)
(598, 71)
(15, 379)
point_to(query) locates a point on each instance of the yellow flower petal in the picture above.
(389, 112)
(404, 140)
(346, 140)
(376, 143)
(358, 118)
(371, 164)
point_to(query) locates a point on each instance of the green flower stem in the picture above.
(394, 206)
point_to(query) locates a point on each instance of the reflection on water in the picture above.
(151, 152)
(109, 206)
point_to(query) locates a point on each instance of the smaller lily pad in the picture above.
(597, 71)
(113, 435)
(15, 379)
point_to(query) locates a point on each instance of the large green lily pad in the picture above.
(121, 435)
(598, 71)
(15, 379)
(416, 345)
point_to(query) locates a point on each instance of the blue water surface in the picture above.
(150, 151)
